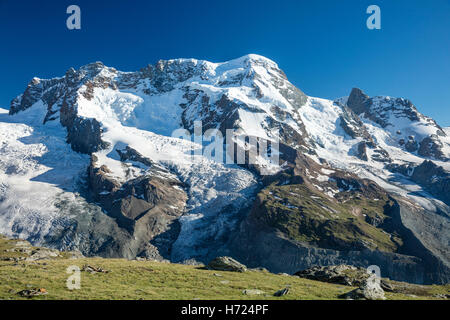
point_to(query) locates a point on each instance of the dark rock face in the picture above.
(60, 95)
(35, 90)
(260, 246)
(434, 178)
(131, 201)
(411, 145)
(288, 237)
(359, 102)
(147, 206)
(84, 135)
(424, 236)
(381, 155)
(431, 147)
(165, 74)
(354, 127)
(379, 109)
(431, 177)
(129, 154)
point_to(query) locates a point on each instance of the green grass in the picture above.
(306, 215)
(154, 280)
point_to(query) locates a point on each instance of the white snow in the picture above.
(37, 169)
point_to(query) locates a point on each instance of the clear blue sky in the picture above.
(323, 46)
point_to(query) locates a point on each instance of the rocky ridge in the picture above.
(314, 209)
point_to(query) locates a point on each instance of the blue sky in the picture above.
(323, 46)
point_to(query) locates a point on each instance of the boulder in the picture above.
(252, 292)
(339, 274)
(40, 254)
(281, 292)
(369, 290)
(226, 264)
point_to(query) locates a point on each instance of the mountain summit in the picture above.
(90, 161)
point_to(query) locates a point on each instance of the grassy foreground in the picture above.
(154, 280)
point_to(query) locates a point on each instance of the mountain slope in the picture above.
(93, 160)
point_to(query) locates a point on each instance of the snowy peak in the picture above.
(406, 126)
(384, 110)
(250, 94)
(105, 135)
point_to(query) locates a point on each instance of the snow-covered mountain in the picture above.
(89, 161)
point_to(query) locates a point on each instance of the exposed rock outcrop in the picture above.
(433, 178)
(226, 264)
(340, 274)
(431, 147)
(353, 125)
(362, 151)
(291, 235)
(359, 102)
(369, 290)
(146, 206)
(411, 145)
(386, 112)
(307, 213)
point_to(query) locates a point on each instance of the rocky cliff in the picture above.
(120, 164)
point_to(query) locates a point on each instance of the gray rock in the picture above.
(340, 274)
(226, 264)
(362, 151)
(411, 145)
(431, 147)
(369, 290)
(252, 292)
(359, 102)
(75, 254)
(432, 177)
(442, 296)
(192, 262)
(41, 254)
